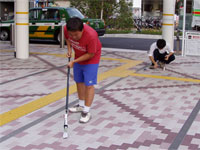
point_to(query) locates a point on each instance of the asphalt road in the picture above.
(114, 42)
(130, 43)
(127, 43)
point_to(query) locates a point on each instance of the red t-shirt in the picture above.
(89, 43)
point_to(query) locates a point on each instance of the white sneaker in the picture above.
(85, 117)
(76, 108)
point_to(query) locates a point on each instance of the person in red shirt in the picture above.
(87, 47)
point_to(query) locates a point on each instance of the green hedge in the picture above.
(115, 31)
(143, 31)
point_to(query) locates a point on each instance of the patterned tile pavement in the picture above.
(134, 107)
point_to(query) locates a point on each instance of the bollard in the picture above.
(11, 34)
(178, 41)
(62, 41)
(12, 37)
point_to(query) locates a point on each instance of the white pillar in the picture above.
(168, 21)
(22, 29)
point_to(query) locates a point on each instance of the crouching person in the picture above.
(160, 54)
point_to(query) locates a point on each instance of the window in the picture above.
(33, 14)
(73, 12)
(44, 15)
(50, 14)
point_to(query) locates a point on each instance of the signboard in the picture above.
(196, 13)
(192, 46)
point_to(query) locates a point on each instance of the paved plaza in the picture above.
(135, 108)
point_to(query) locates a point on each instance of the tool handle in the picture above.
(67, 91)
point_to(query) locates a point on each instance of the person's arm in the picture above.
(153, 61)
(170, 51)
(150, 53)
(82, 58)
(69, 49)
(167, 56)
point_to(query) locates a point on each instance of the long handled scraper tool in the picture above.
(65, 134)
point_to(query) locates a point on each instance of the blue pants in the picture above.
(86, 73)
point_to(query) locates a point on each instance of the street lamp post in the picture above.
(183, 36)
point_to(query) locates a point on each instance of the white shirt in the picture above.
(162, 51)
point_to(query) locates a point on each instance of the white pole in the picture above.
(183, 34)
(168, 21)
(102, 10)
(22, 29)
(15, 29)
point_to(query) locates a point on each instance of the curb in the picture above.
(132, 35)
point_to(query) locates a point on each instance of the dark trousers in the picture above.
(161, 57)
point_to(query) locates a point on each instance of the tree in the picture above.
(124, 19)
(81, 5)
(92, 8)
(117, 15)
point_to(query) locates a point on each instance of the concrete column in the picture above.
(22, 29)
(168, 21)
